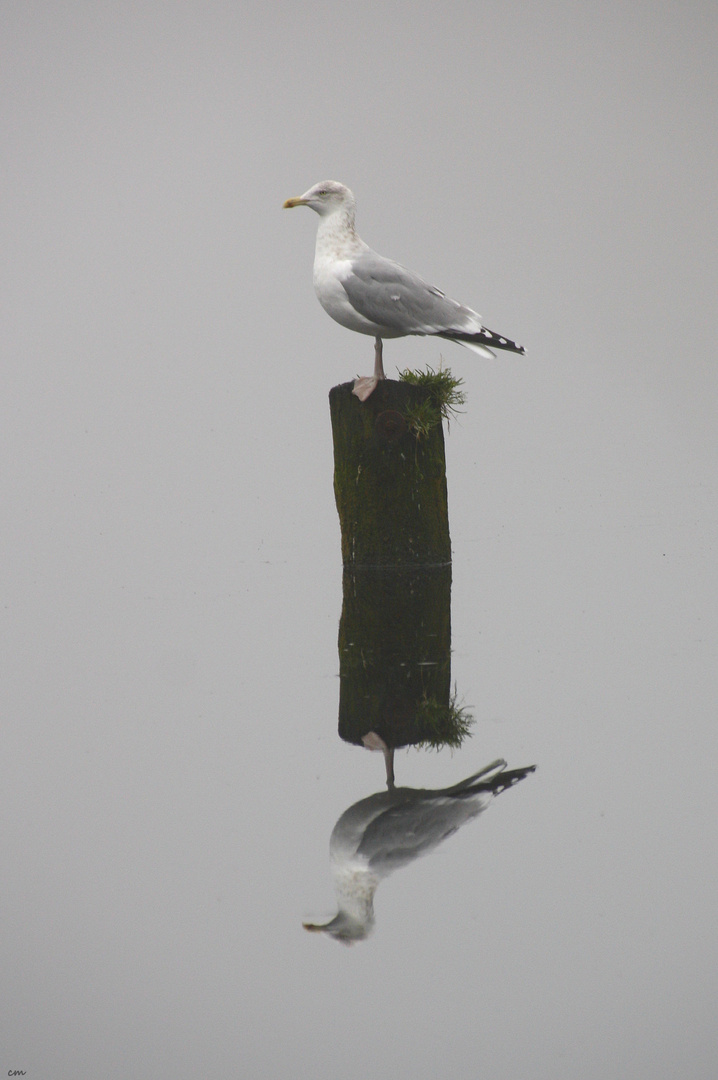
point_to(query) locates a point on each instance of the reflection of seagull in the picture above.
(392, 828)
(373, 295)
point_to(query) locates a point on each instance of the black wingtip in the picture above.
(498, 783)
(498, 341)
(510, 777)
(485, 337)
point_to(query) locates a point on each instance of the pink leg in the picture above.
(378, 363)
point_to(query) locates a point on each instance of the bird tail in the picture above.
(483, 342)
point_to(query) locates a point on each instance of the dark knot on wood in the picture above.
(390, 425)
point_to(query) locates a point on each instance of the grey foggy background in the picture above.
(171, 579)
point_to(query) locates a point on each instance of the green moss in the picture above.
(442, 725)
(443, 401)
(422, 418)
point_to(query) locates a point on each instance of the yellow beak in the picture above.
(293, 202)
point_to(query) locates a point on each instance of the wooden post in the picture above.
(390, 485)
(395, 629)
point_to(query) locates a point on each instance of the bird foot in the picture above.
(372, 741)
(365, 387)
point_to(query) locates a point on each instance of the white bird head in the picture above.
(326, 198)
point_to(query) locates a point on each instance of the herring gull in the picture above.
(373, 295)
(389, 830)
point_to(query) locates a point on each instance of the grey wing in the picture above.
(390, 295)
(405, 832)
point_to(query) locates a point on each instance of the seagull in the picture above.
(388, 830)
(373, 295)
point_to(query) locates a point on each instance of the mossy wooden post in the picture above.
(390, 486)
(395, 629)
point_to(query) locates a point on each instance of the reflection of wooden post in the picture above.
(390, 487)
(395, 655)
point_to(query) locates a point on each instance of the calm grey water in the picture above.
(173, 774)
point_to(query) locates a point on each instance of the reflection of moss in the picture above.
(442, 403)
(442, 725)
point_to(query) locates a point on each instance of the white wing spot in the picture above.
(502, 340)
(396, 298)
